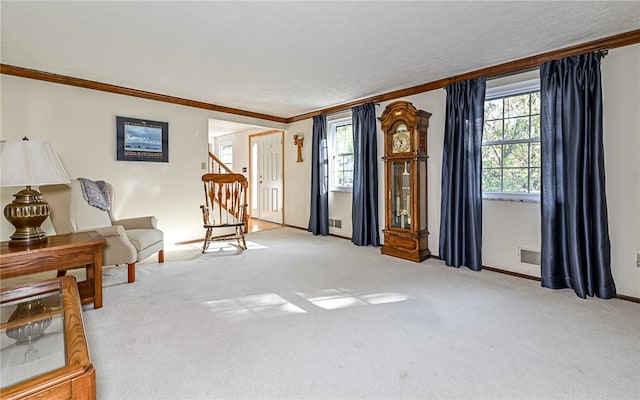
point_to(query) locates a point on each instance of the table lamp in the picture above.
(28, 163)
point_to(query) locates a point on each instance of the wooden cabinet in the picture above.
(405, 160)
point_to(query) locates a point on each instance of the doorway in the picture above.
(266, 176)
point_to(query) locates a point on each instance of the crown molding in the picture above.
(105, 87)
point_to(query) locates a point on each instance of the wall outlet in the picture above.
(203, 165)
(638, 260)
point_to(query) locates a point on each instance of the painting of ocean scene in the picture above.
(142, 138)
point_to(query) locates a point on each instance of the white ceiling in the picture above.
(220, 128)
(288, 58)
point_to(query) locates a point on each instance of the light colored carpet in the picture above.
(303, 317)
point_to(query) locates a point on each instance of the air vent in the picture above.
(531, 257)
(335, 223)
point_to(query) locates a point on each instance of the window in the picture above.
(341, 154)
(511, 142)
(226, 154)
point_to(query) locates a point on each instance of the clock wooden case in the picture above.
(405, 165)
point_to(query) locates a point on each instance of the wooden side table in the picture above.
(44, 352)
(59, 252)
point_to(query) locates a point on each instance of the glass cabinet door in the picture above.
(400, 194)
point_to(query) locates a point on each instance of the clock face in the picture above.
(400, 141)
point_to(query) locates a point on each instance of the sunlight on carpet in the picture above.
(268, 305)
(253, 307)
(334, 299)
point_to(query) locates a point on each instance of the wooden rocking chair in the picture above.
(225, 208)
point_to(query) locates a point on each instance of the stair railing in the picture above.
(216, 166)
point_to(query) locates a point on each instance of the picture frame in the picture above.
(141, 140)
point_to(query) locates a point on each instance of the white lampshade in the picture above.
(29, 163)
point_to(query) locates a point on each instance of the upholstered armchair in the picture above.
(128, 240)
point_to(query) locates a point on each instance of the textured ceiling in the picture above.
(288, 58)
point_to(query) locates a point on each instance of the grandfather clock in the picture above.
(405, 164)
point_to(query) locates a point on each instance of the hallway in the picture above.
(256, 225)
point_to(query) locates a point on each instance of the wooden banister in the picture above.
(216, 166)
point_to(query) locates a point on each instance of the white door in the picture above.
(266, 177)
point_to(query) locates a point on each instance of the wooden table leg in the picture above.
(97, 278)
(90, 273)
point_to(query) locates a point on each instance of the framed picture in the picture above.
(142, 140)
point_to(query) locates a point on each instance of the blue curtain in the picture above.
(364, 217)
(461, 207)
(575, 250)
(319, 213)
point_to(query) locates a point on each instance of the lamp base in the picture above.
(26, 213)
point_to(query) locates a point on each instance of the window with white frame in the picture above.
(226, 154)
(341, 154)
(511, 142)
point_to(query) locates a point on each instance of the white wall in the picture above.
(621, 102)
(297, 176)
(80, 123)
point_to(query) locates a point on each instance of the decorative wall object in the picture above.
(298, 140)
(142, 140)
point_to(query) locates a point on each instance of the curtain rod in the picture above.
(506, 74)
(348, 108)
